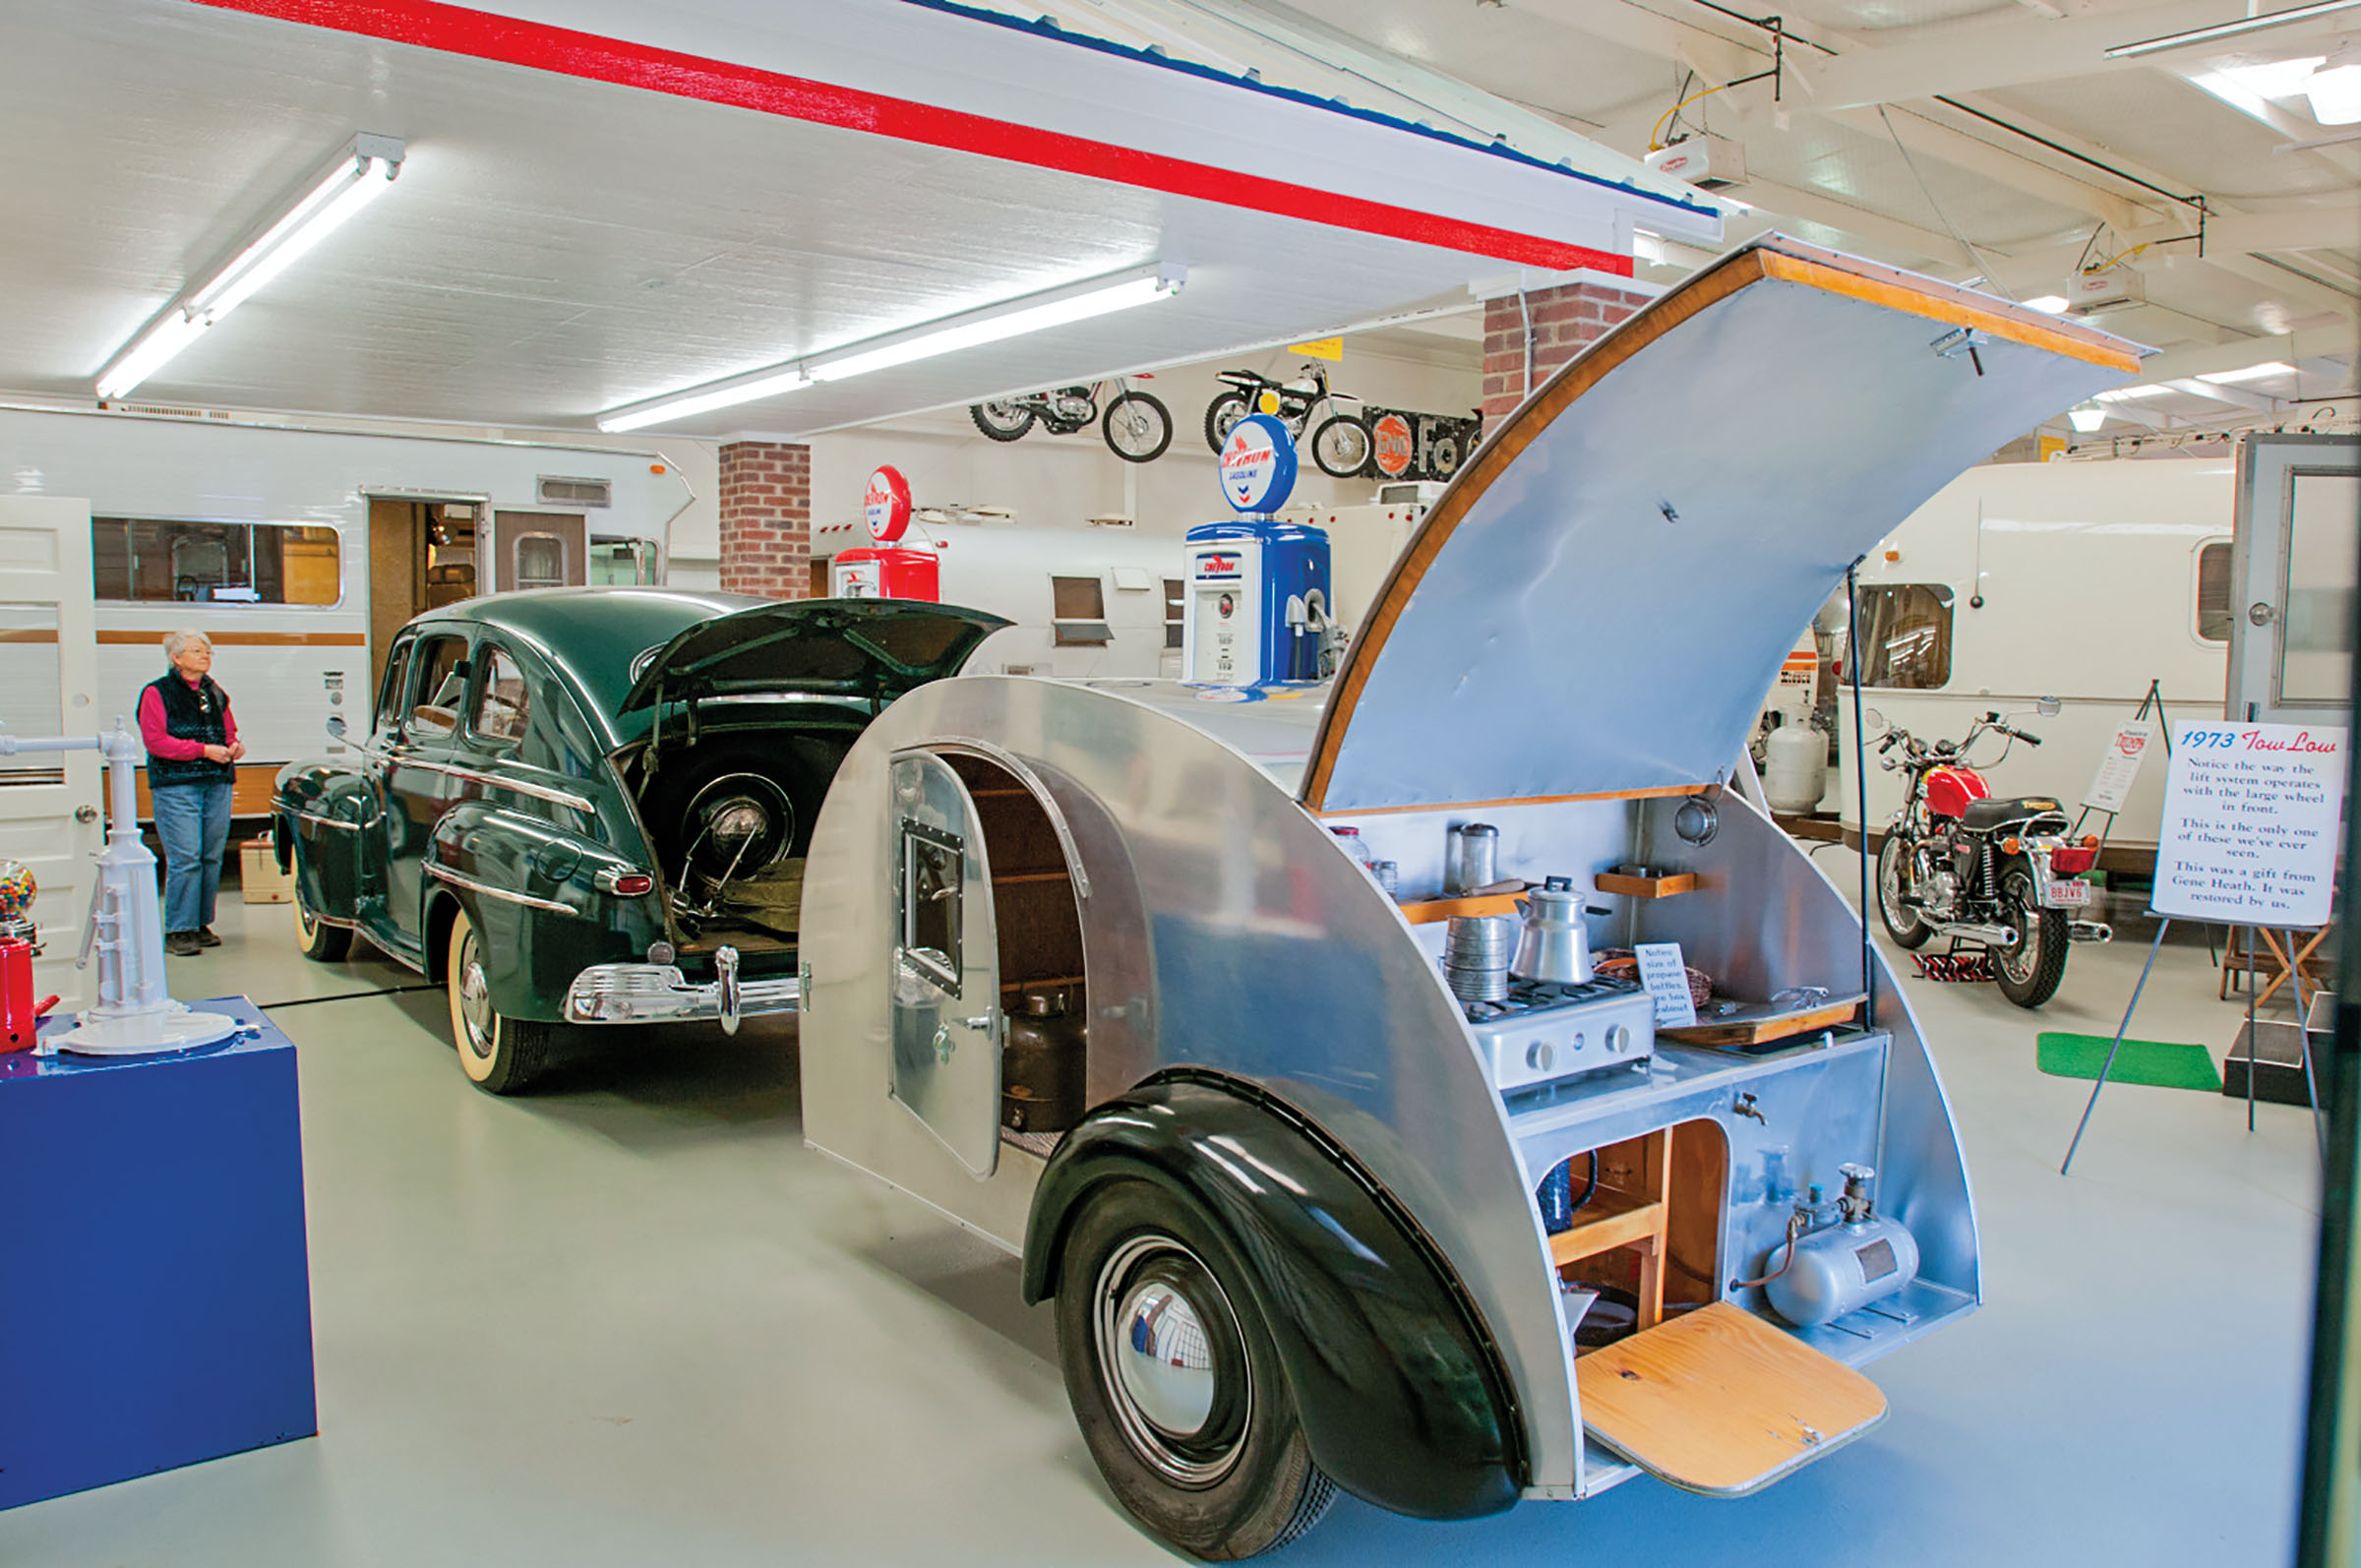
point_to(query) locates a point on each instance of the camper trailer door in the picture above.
(2292, 630)
(946, 966)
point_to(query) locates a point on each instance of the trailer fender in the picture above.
(1399, 1388)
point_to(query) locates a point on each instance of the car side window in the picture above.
(388, 716)
(441, 686)
(500, 708)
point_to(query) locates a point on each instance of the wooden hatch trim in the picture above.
(1779, 259)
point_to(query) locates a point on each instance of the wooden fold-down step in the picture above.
(1718, 1400)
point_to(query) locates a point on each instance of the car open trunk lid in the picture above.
(874, 649)
(1598, 601)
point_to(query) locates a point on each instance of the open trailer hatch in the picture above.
(1720, 1402)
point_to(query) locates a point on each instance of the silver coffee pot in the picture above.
(1554, 946)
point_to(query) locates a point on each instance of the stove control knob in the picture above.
(1619, 1037)
(1540, 1055)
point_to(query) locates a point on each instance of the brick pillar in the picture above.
(766, 520)
(1564, 319)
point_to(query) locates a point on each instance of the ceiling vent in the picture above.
(164, 410)
(1708, 162)
(555, 491)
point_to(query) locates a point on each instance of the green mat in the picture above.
(2157, 1062)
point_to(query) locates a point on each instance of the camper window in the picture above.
(154, 560)
(1905, 636)
(1079, 612)
(2214, 592)
(933, 866)
(539, 559)
(1172, 618)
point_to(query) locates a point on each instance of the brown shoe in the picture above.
(205, 938)
(182, 943)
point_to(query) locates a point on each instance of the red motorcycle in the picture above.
(2000, 877)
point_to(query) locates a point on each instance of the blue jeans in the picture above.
(193, 821)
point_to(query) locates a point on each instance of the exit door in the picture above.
(947, 967)
(2298, 536)
(51, 802)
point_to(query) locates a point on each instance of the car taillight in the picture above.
(634, 885)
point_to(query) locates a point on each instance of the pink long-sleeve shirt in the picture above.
(169, 746)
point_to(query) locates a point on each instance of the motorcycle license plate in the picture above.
(2068, 895)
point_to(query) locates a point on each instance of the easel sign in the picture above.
(2127, 749)
(2250, 830)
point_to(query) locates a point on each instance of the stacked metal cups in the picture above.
(1477, 949)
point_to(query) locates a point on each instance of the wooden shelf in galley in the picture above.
(1427, 911)
(1664, 886)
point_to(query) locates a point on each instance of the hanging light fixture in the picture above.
(2086, 417)
(357, 176)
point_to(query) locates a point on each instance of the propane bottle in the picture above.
(1862, 1258)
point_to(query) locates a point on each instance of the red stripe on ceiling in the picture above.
(456, 30)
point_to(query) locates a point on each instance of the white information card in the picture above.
(2127, 749)
(2250, 830)
(1666, 978)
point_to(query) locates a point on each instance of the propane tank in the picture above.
(1794, 768)
(1863, 1257)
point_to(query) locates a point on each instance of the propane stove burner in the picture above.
(1525, 995)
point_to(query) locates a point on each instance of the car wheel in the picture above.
(317, 939)
(1902, 923)
(1175, 1380)
(2031, 972)
(500, 1055)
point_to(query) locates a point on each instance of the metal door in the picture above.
(2297, 541)
(51, 802)
(947, 965)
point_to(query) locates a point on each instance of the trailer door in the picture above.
(947, 967)
(50, 802)
(2291, 633)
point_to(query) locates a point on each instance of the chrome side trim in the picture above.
(645, 993)
(444, 873)
(337, 823)
(539, 792)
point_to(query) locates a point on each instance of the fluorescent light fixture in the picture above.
(1033, 313)
(357, 176)
(2229, 29)
(2055, 304)
(2122, 392)
(2273, 79)
(2264, 371)
(2086, 417)
(2336, 90)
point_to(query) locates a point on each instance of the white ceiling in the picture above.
(558, 246)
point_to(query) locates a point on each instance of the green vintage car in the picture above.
(590, 805)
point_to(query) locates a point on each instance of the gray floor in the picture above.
(631, 1320)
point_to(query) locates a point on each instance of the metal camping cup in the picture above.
(1471, 857)
(1553, 946)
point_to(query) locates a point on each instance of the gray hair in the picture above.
(177, 642)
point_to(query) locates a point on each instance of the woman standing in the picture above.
(192, 752)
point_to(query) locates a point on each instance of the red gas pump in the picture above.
(892, 570)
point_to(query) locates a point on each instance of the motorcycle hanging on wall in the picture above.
(1341, 443)
(1999, 876)
(1135, 426)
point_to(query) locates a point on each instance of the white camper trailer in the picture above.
(1094, 601)
(2080, 580)
(299, 553)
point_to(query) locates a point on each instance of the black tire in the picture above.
(1902, 923)
(500, 1055)
(1342, 447)
(1001, 418)
(1239, 1481)
(315, 939)
(1137, 428)
(2029, 973)
(1221, 416)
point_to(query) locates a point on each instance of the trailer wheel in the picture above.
(1174, 1381)
(317, 939)
(2029, 973)
(1902, 923)
(500, 1055)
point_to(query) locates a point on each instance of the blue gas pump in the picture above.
(1257, 610)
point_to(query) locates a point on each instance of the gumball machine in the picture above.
(19, 1014)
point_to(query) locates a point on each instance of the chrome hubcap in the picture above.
(475, 1001)
(1172, 1360)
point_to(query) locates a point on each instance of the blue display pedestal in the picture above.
(151, 1257)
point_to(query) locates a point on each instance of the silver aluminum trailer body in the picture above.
(1571, 649)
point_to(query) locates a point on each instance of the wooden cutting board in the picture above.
(1720, 1402)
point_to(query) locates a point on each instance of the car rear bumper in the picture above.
(658, 994)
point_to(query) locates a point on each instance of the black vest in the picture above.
(191, 713)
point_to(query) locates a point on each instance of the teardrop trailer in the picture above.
(1313, 1221)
